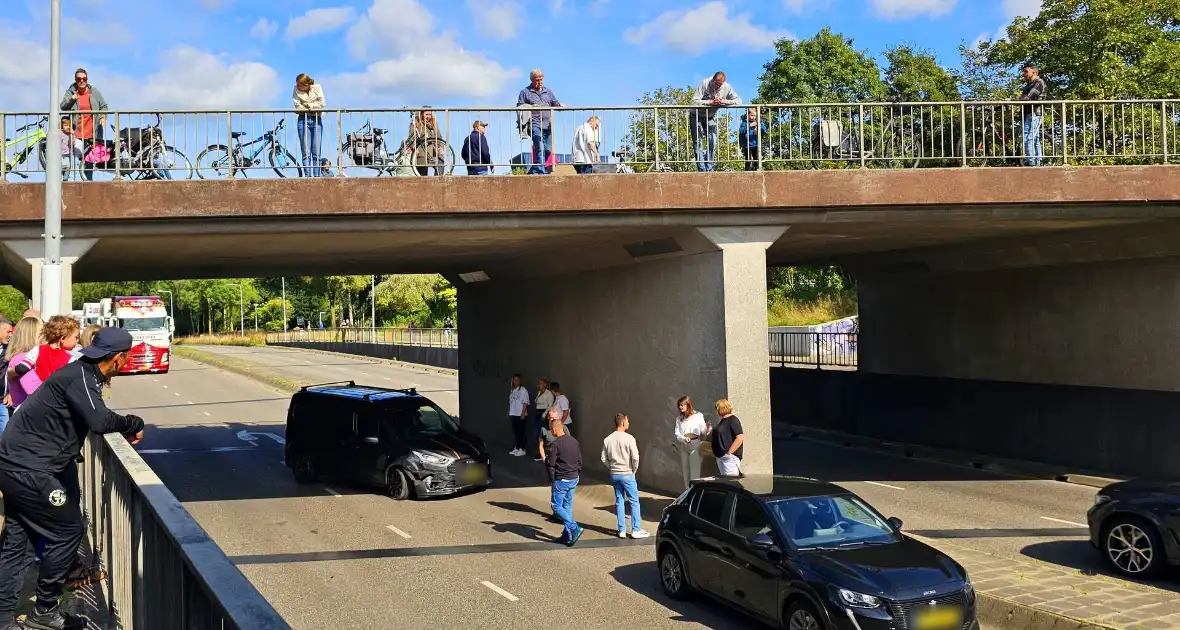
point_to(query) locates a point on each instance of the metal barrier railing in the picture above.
(389, 142)
(163, 570)
(816, 349)
(427, 337)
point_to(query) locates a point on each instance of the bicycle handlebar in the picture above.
(44, 119)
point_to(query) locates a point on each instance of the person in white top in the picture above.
(518, 409)
(562, 405)
(309, 102)
(690, 428)
(585, 151)
(710, 95)
(544, 401)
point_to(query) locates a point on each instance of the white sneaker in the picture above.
(642, 533)
(514, 452)
(622, 534)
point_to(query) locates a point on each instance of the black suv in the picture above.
(806, 554)
(394, 439)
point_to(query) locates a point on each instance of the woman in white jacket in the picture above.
(690, 428)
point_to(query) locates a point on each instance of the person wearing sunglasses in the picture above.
(83, 97)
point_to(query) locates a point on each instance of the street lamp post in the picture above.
(171, 308)
(373, 316)
(284, 304)
(51, 288)
(255, 317)
(241, 305)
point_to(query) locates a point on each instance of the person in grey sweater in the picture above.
(621, 456)
(83, 97)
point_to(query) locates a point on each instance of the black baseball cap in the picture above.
(107, 341)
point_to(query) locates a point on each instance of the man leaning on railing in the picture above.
(712, 94)
(39, 476)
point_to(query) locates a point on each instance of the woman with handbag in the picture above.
(690, 428)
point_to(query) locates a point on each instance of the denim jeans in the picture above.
(563, 503)
(542, 148)
(311, 131)
(700, 123)
(1033, 143)
(3, 417)
(625, 485)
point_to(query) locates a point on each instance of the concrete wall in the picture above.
(630, 339)
(437, 357)
(1122, 431)
(1110, 324)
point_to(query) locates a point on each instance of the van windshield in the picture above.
(428, 419)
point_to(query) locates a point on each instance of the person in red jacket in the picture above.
(61, 336)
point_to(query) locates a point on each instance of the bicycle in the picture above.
(143, 155)
(367, 150)
(216, 157)
(33, 141)
(831, 142)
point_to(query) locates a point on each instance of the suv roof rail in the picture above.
(349, 383)
(412, 391)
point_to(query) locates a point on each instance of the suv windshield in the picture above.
(828, 522)
(142, 323)
(427, 419)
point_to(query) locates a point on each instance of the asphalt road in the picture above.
(335, 555)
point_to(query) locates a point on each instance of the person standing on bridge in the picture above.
(39, 476)
(585, 150)
(518, 409)
(728, 440)
(1034, 90)
(540, 121)
(476, 151)
(710, 95)
(565, 459)
(309, 102)
(5, 335)
(81, 96)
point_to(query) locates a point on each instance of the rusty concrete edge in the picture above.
(1014, 468)
(238, 367)
(295, 345)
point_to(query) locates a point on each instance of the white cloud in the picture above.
(797, 6)
(264, 29)
(707, 27)
(906, 9)
(75, 31)
(409, 62)
(318, 21)
(188, 78)
(214, 5)
(497, 20)
(557, 6)
(1026, 8)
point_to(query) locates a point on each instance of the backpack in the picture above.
(362, 148)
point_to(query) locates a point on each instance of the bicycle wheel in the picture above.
(284, 164)
(214, 163)
(169, 163)
(375, 166)
(900, 151)
(444, 163)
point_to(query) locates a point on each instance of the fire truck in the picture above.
(146, 318)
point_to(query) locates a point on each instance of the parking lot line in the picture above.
(499, 591)
(1057, 520)
(884, 485)
(398, 531)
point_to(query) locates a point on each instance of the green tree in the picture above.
(915, 75)
(663, 135)
(12, 302)
(424, 299)
(825, 68)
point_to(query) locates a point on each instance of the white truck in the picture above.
(151, 328)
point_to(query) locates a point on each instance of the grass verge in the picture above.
(244, 368)
(249, 340)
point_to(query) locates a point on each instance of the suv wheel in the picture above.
(673, 577)
(1132, 546)
(398, 485)
(304, 469)
(800, 616)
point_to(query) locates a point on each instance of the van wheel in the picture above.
(304, 469)
(398, 485)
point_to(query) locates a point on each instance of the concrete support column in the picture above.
(31, 253)
(747, 355)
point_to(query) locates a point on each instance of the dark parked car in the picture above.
(807, 555)
(393, 439)
(1136, 526)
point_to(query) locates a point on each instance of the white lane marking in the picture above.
(164, 386)
(252, 437)
(1057, 520)
(398, 531)
(388, 379)
(177, 393)
(207, 413)
(499, 591)
(219, 449)
(884, 485)
(191, 402)
(333, 492)
(363, 373)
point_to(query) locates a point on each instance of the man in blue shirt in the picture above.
(540, 125)
(476, 152)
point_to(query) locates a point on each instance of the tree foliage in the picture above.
(825, 68)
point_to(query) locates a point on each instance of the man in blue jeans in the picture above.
(1033, 114)
(540, 121)
(565, 461)
(621, 456)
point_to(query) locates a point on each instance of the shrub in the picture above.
(251, 339)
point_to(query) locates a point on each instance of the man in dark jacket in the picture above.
(39, 476)
(565, 460)
(476, 152)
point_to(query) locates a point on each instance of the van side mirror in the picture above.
(895, 522)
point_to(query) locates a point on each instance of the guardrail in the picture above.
(425, 337)
(816, 349)
(392, 142)
(163, 569)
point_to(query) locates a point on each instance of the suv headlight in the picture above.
(1100, 498)
(433, 459)
(858, 600)
(968, 587)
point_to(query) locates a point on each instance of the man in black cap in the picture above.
(39, 476)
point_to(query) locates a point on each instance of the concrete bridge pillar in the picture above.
(629, 339)
(25, 257)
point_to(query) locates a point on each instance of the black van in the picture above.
(394, 439)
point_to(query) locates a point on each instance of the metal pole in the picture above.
(171, 302)
(255, 318)
(284, 304)
(242, 308)
(51, 265)
(373, 317)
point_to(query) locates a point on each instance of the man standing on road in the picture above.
(621, 456)
(565, 458)
(543, 402)
(518, 408)
(728, 440)
(39, 476)
(710, 95)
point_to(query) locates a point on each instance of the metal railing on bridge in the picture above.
(163, 570)
(666, 138)
(813, 349)
(425, 337)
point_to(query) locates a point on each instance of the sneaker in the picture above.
(622, 534)
(574, 537)
(53, 619)
(564, 538)
(639, 533)
(514, 452)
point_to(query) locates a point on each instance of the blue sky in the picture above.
(224, 54)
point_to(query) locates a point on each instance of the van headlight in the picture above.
(433, 459)
(1100, 498)
(857, 600)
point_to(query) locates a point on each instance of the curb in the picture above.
(1015, 468)
(416, 366)
(238, 367)
(1005, 614)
